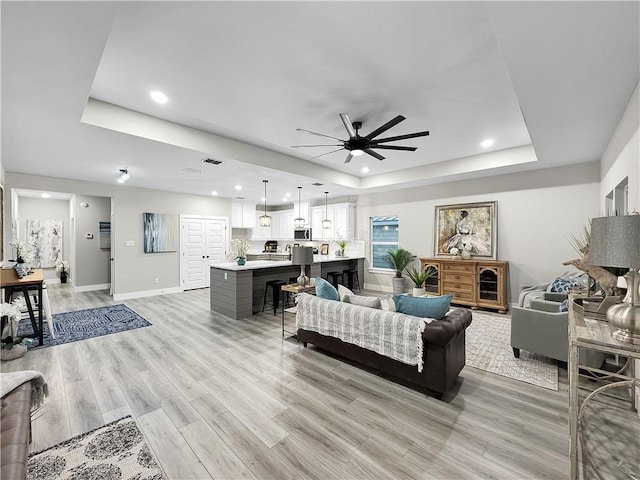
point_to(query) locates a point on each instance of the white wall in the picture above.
(135, 270)
(622, 156)
(537, 212)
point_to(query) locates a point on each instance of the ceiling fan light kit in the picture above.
(356, 144)
(265, 220)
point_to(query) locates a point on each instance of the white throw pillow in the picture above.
(343, 292)
(371, 302)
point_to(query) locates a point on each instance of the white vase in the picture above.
(419, 292)
(466, 254)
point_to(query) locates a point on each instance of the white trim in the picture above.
(383, 271)
(378, 288)
(91, 288)
(147, 293)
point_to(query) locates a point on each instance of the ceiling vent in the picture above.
(212, 161)
(317, 184)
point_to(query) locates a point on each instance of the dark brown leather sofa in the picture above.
(15, 432)
(443, 353)
(15, 427)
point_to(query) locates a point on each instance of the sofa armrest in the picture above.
(545, 306)
(541, 332)
(555, 297)
(441, 332)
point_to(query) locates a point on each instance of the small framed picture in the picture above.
(324, 249)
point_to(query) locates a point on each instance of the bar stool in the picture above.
(332, 277)
(275, 285)
(352, 278)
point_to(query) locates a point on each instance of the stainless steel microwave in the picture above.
(302, 234)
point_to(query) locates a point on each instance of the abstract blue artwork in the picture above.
(160, 232)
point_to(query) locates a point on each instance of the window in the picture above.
(384, 237)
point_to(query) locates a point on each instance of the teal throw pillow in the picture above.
(562, 285)
(325, 290)
(425, 307)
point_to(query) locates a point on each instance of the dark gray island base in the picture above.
(238, 291)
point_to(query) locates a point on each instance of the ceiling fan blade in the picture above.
(373, 154)
(324, 145)
(347, 124)
(323, 154)
(393, 147)
(349, 157)
(385, 127)
(319, 134)
(402, 137)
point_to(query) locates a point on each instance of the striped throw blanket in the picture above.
(394, 335)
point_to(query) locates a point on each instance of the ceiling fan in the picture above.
(357, 145)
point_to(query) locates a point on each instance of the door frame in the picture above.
(184, 217)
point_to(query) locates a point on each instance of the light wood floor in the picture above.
(222, 398)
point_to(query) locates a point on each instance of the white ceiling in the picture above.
(76, 78)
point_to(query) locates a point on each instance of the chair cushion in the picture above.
(325, 290)
(426, 307)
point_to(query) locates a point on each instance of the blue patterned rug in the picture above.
(83, 324)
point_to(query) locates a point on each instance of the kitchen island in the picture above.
(237, 291)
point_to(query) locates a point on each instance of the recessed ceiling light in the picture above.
(45, 195)
(364, 169)
(159, 97)
(287, 194)
(263, 199)
(487, 143)
(357, 152)
(238, 187)
(285, 199)
(214, 193)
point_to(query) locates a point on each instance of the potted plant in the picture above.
(398, 260)
(342, 244)
(24, 257)
(62, 268)
(239, 249)
(419, 278)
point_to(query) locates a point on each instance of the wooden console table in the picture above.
(476, 283)
(11, 282)
(594, 334)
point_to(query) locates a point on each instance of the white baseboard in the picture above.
(91, 288)
(378, 288)
(146, 293)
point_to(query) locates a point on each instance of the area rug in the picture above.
(114, 451)
(489, 348)
(83, 324)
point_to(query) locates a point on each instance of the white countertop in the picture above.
(256, 264)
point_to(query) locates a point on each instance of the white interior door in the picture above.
(112, 263)
(202, 240)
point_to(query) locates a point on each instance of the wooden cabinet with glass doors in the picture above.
(475, 283)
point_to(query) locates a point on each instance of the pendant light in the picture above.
(299, 222)
(326, 223)
(265, 220)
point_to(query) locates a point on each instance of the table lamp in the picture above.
(302, 256)
(615, 242)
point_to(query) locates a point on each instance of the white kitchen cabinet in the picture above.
(243, 214)
(258, 232)
(342, 216)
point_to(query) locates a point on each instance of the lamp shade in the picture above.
(302, 256)
(615, 242)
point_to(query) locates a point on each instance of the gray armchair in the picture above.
(544, 330)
